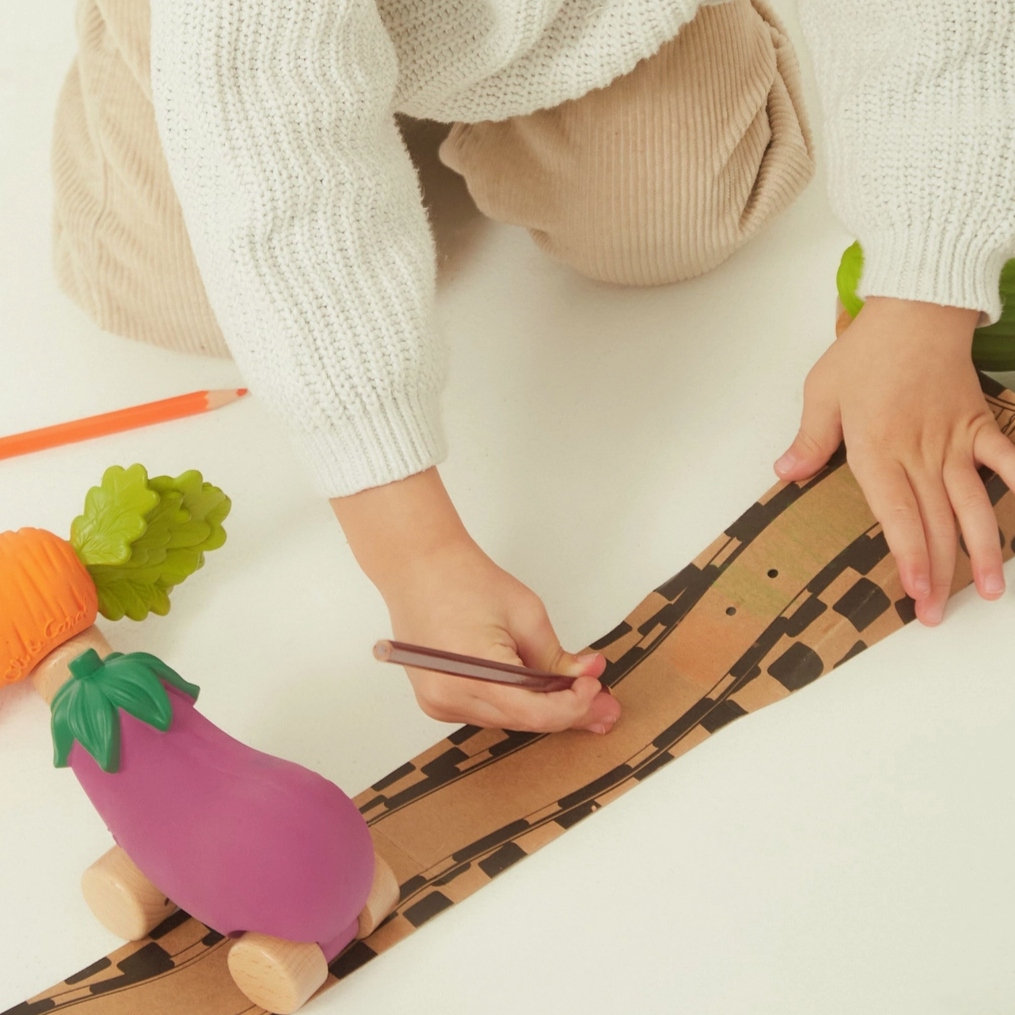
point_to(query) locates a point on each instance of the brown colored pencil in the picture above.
(117, 422)
(470, 666)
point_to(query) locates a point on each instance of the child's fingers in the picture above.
(819, 435)
(581, 706)
(539, 648)
(893, 503)
(457, 699)
(996, 452)
(585, 705)
(942, 544)
(602, 714)
(979, 527)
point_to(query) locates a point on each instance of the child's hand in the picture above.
(458, 599)
(443, 592)
(900, 386)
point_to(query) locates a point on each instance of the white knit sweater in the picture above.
(304, 209)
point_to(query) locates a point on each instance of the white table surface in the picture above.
(847, 850)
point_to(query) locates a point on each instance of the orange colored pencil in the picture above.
(117, 422)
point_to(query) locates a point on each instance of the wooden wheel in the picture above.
(123, 900)
(383, 898)
(278, 975)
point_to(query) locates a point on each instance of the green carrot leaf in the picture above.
(208, 507)
(167, 514)
(182, 523)
(122, 593)
(115, 516)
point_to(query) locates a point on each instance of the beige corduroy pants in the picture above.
(656, 178)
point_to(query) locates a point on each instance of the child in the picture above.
(641, 141)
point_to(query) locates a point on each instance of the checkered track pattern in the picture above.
(852, 602)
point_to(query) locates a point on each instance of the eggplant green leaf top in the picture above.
(140, 537)
(86, 708)
(993, 345)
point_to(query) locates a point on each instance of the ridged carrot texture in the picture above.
(46, 597)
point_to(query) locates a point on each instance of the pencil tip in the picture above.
(224, 396)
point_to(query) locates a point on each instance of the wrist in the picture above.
(926, 322)
(395, 526)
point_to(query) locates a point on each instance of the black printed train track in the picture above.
(798, 585)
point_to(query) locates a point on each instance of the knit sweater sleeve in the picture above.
(919, 103)
(304, 212)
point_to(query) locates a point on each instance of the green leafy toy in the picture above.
(140, 537)
(135, 541)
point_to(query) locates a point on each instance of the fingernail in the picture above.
(934, 614)
(598, 728)
(589, 657)
(993, 585)
(922, 586)
(785, 463)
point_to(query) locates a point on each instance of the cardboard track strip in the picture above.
(799, 584)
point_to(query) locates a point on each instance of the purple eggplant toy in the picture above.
(255, 847)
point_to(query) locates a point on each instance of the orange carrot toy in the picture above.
(46, 597)
(137, 538)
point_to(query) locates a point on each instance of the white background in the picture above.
(848, 850)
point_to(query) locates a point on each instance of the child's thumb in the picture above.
(595, 708)
(539, 648)
(817, 439)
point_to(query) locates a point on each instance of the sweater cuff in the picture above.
(393, 439)
(935, 267)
